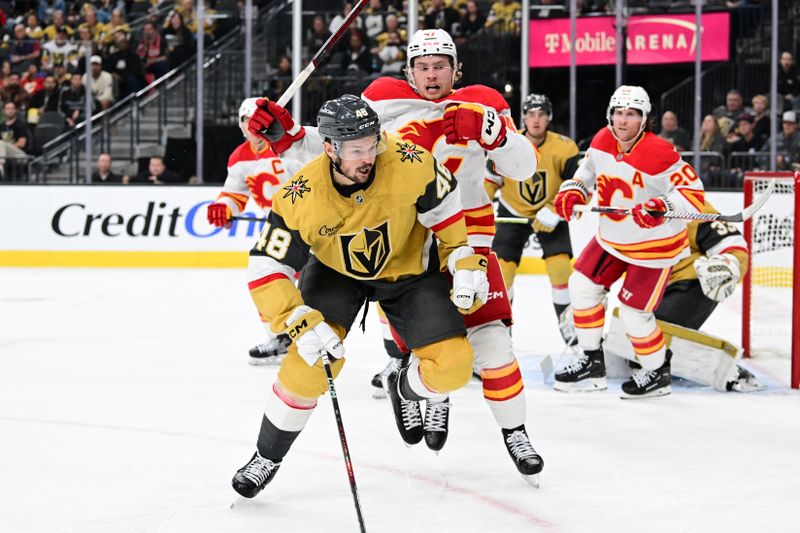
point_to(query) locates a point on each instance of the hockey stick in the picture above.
(323, 51)
(499, 220)
(741, 216)
(345, 449)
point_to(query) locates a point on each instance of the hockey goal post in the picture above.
(771, 296)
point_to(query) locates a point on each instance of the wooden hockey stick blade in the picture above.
(323, 51)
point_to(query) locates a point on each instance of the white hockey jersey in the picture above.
(256, 174)
(651, 168)
(419, 122)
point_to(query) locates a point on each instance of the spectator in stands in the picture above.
(280, 78)
(673, 133)
(733, 108)
(104, 174)
(761, 116)
(788, 81)
(441, 17)
(45, 100)
(73, 101)
(14, 135)
(117, 23)
(338, 19)
(392, 26)
(180, 40)
(544, 11)
(31, 81)
(393, 51)
(59, 51)
(106, 8)
(61, 76)
(47, 10)
(32, 28)
(102, 84)
(742, 146)
(58, 22)
(126, 67)
(90, 22)
(505, 16)
(357, 56)
(787, 145)
(12, 91)
(152, 50)
(373, 19)
(158, 174)
(317, 35)
(711, 140)
(472, 20)
(85, 36)
(24, 50)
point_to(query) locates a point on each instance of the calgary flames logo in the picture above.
(424, 133)
(366, 253)
(261, 187)
(607, 187)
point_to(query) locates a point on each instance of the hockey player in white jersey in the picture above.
(631, 168)
(462, 128)
(254, 170)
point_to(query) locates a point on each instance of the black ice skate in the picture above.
(587, 373)
(648, 383)
(743, 381)
(528, 462)
(271, 352)
(254, 476)
(407, 413)
(437, 417)
(379, 380)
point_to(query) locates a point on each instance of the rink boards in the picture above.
(161, 226)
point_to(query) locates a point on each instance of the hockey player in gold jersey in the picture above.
(360, 220)
(533, 199)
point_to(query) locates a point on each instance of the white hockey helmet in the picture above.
(246, 110)
(429, 43)
(629, 97)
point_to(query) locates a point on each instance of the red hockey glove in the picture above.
(274, 123)
(570, 194)
(651, 213)
(473, 122)
(219, 215)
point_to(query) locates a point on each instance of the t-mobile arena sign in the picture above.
(651, 39)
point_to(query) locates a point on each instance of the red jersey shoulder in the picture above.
(386, 88)
(480, 94)
(652, 155)
(245, 152)
(605, 142)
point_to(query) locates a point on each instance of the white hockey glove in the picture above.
(470, 284)
(313, 337)
(718, 275)
(546, 220)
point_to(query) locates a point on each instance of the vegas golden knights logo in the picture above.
(534, 189)
(365, 253)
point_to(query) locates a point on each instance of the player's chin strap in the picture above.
(620, 141)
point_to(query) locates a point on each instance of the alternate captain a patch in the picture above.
(409, 152)
(296, 188)
(366, 253)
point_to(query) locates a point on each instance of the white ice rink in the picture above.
(126, 405)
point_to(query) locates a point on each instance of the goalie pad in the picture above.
(696, 356)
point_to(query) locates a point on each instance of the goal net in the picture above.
(771, 312)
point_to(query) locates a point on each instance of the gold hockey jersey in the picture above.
(558, 160)
(711, 238)
(383, 232)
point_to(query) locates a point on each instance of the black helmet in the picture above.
(538, 101)
(347, 117)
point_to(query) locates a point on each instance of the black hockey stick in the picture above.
(345, 449)
(321, 53)
(499, 220)
(741, 216)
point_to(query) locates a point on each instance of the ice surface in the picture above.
(126, 405)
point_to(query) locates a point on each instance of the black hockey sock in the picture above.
(559, 309)
(274, 443)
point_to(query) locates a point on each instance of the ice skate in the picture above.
(437, 418)
(649, 383)
(528, 462)
(586, 374)
(379, 380)
(270, 352)
(407, 414)
(254, 476)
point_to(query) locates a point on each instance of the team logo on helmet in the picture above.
(296, 188)
(409, 152)
(366, 253)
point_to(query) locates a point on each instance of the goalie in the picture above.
(697, 284)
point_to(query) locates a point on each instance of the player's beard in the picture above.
(360, 174)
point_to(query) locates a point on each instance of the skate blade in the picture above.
(748, 386)
(663, 391)
(274, 360)
(378, 394)
(586, 385)
(532, 480)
